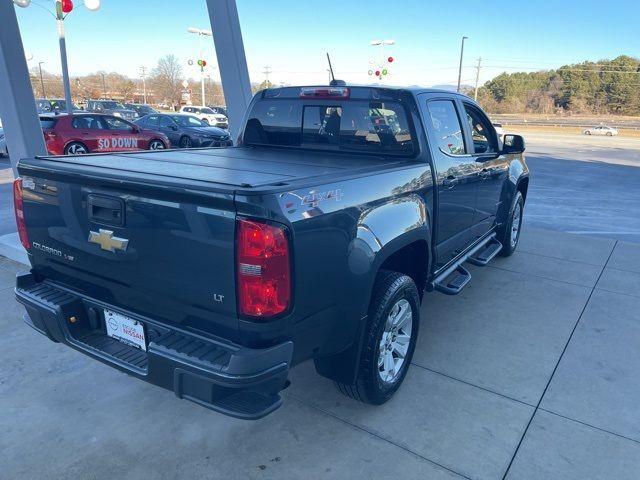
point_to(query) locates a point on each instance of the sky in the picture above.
(292, 37)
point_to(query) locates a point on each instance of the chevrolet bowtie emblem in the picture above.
(107, 241)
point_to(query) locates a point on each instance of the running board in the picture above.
(492, 249)
(452, 280)
(457, 280)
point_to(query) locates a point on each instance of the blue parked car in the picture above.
(186, 131)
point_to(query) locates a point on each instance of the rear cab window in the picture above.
(356, 124)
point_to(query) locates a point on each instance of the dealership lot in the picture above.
(530, 369)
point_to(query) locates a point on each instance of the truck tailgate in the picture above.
(165, 252)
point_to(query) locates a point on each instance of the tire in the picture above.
(587, 132)
(609, 134)
(76, 148)
(206, 120)
(393, 294)
(156, 144)
(185, 142)
(510, 234)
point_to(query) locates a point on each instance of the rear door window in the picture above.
(446, 126)
(87, 122)
(47, 123)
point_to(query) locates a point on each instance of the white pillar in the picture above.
(231, 60)
(17, 104)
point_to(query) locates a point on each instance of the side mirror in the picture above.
(513, 144)
(136, 129)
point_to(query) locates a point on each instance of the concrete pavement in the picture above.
(530, 373)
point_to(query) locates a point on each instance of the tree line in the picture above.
(163, 85)
(603, 87)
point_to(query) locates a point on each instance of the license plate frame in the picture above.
(125, 329)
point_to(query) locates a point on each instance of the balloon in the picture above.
(67, 6)
(390, 59)
(92, 5)
(22, 3)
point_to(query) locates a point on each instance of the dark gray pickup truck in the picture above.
(211, 272)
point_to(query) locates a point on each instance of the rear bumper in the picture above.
(233, 380)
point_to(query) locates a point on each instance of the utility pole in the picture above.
(143, 74)
(104, 88)
(44, 95)
(267, 70)
(475, 95)
(460, 67)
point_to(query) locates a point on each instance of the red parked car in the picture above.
(81, 133)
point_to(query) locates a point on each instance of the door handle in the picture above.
(450, 181)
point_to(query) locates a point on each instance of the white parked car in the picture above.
(206, 115)
(601, 130)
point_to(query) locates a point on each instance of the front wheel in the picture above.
(510, 234)
(587, 132)
(389, 340)
(609, 134)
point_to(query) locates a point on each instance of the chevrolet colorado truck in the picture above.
(212, 272)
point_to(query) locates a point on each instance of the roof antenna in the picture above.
(334, 82)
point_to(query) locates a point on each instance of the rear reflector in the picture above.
(18, 206)
(324, 92)
(263, 269)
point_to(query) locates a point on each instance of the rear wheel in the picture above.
(206, 120)
(185, 142)
(510, 234)
(156, 145)
(389, 340)
(587, 132)
(76, 148)
(609, 134)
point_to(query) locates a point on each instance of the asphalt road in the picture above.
(579, 184)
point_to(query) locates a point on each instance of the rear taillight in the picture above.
(18, 205)
(263, 269)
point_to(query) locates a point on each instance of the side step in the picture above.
(456, 277)
(457, 280)
(491, 249)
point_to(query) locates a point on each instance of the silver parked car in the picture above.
(3, 144)
(601, 130)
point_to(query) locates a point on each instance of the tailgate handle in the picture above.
(106, 210)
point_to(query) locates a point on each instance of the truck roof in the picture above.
(413, 89)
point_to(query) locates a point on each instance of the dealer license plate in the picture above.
(125, 329)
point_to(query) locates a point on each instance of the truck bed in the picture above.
(240, 168)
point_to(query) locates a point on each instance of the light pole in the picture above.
(207, 33)
(44, 95)
(104, 88)
(63, 8)
(460, 67)
(143, 74)
(381, 44)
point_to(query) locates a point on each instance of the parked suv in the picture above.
(111, 107)
(207, 115)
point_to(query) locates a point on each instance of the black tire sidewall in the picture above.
(396, 287)
(182, 139)
(66, 149)
(507, 248)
